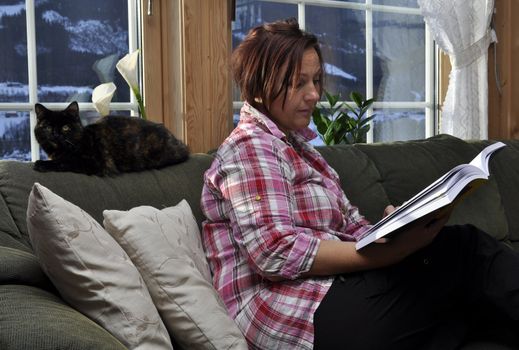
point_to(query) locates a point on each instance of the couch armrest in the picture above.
(32, 318)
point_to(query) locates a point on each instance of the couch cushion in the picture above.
(10, 235)
(32, 318)
(505, 167)
(18, 266)
(359, 177)
(159, 188)
(165, 246)
(405, 168)
(92, 272)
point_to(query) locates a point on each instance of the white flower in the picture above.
(127, 66)
(102, 96)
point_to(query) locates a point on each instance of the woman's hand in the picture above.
(420, 233)
(388, 210)
(336, 257)
(430, 224)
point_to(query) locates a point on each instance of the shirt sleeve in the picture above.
(254, 179)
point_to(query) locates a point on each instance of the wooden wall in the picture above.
(207, 84)
(187, 78)
(503, 109)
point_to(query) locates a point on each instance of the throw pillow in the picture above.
(92, 272)
(165, 246)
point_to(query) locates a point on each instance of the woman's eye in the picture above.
(65, 128)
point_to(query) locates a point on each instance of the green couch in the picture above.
(33, 316)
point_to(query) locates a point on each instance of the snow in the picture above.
(7, 121)
(91, 36)
(336, 71)
(12, 10)
(13, 89)
(53, 17)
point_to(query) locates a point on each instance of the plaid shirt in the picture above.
(269, 199)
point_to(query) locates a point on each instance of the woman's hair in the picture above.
(268, 61)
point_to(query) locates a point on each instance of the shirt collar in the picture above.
(248, 112)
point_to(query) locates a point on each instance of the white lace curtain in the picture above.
(462, 29)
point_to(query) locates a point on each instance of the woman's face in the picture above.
(301, 99)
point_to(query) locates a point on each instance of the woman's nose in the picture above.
(312, 94)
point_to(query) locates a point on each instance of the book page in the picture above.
(456, 182)
(481, 160)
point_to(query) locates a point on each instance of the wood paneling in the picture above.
(503, 108)
(443, 80)
(207, 85)
(152, 63)
(187, 79)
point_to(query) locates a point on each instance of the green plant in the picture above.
(335, 124)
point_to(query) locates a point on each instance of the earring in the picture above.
(258, 100)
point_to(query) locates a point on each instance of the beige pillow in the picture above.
(92, 272)
(165, 246)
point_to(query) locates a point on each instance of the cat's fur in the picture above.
(112, 145)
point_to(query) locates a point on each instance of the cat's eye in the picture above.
(65, 128)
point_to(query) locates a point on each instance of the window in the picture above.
(380, 48)
(55, 52)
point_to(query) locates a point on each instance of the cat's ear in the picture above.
(39, 109)
(73, 108)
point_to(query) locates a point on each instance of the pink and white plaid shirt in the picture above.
(269, 200)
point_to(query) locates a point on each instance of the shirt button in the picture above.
(426, 261)
(258, 197)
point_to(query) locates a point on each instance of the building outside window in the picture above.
(380, 48)
(55, 52)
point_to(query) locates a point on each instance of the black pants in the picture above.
(431, 300)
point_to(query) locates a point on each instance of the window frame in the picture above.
(134, 10)
(431, 53)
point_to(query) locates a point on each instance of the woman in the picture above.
(280, 233)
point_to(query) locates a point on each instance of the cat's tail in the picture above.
(178, 151)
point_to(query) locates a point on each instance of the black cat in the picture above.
(112, 145)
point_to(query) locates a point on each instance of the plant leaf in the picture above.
(357, 98)
(332, 99)
(352, 109)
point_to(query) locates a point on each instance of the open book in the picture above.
(445, 191)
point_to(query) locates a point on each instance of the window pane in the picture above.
(391, 124)
(402, 3)
(250, 13)
(78, 45)
(343, 43)
(13, 45)
(15, 142)
(399, 45)
(235, 117)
